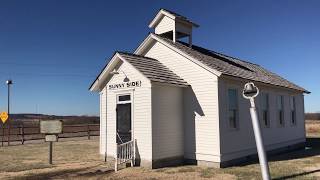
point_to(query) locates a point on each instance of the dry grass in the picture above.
(313, 128)
(31, 160)
(80, 160)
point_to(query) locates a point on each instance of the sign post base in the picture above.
(50, 152)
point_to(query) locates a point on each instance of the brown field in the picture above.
(79, 159)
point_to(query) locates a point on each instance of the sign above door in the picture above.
(130, 84)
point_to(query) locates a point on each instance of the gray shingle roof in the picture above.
(153, 69)
(232, 66)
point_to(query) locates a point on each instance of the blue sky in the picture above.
(53, 49)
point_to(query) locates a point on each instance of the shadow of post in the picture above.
(312, 149)
(296, 175)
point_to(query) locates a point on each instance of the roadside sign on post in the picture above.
(51, 129)
(51, 138)
(51, 126)
(4, 117)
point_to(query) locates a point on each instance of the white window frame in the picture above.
(293, 112)
(124, 102)
(282, 111)
(263, 110)
(237, 109)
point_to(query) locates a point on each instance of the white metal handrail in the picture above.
(125, 152)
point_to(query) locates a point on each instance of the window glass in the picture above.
(124, 98)
(232, 118)
(265, 117)
(280, 110)
(264, 101)
(293, 110)
(265, 109)
(233, 107)
(232, 94)
(279, 102)
(292, 103)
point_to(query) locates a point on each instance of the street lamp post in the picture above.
(9, 82)
(250, 91)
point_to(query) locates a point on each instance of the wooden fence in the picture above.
(27, 133)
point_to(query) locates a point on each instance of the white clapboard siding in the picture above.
(166, 24)
(103, 111)
(167, 122)
(241, 142)
(141, 112)
(201, 104)
(142, 123)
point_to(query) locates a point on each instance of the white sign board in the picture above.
(51, 138)
(51, 126)
(131, 84)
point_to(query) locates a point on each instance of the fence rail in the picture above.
(27, 133)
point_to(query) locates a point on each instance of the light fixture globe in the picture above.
(250, 90)
(126, 79)
(9, 82)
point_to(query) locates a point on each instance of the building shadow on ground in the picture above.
(312, 148)
(297, 175)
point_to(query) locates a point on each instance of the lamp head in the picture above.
(115, 72)
(250, 91)
(9, 82)
(126, 79)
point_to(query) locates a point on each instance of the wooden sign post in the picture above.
(4, 117)
(51, 129)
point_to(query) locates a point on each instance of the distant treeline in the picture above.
(312, 116)
(68, 120)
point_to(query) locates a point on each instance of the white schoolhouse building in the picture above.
(171, 102)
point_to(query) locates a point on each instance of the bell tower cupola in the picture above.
(172, 25)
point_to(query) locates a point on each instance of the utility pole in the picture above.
(251, 91)
(9, 82)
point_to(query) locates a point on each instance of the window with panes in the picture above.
(233, 108)
(280, 107)
(293, 110)
(265, 109)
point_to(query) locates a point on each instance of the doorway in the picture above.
(123, 119)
